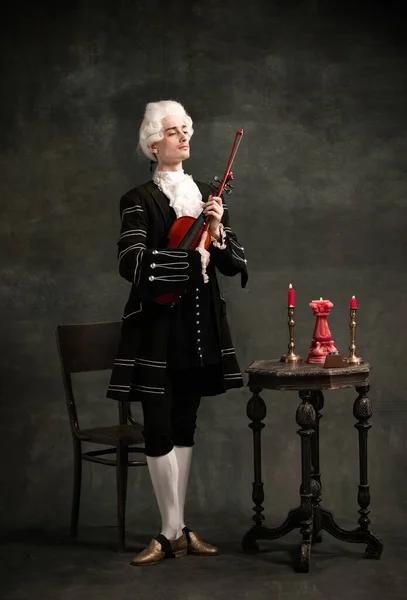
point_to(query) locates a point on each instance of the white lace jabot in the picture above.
(182, 192)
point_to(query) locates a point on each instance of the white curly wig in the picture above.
(151, 127)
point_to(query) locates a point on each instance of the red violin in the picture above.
(186, 232)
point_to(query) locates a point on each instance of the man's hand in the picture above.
(214, 209)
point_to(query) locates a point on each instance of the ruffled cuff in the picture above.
(203, 265)
(222, 244)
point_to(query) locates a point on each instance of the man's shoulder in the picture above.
(203, 183)
(141, 191)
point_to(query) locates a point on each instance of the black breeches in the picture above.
(170, 419)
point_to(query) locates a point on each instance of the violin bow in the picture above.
(228, 175)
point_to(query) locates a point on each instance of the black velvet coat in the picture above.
(140, 368)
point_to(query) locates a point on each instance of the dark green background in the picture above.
(319, 201)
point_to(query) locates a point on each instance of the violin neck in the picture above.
(192, 233)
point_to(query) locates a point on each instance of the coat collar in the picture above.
(204, 188)
(162, 203)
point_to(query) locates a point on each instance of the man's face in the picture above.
(174, 147)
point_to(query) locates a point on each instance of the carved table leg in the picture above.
(317, 401)
(256, 411)
(362, 410)
(306, 418)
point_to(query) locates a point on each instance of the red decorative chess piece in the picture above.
(322, 344)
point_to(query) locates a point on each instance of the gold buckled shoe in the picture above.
(197, 546)
(160, 548)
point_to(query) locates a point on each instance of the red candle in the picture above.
(291, 295)
(353, 303)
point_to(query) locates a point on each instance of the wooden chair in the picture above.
(85, 348)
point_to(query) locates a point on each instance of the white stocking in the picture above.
(164, 477)
(184, 455)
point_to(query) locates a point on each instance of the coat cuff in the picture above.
(222, 244)
(204, 264)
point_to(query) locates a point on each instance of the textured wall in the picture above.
(320, 200)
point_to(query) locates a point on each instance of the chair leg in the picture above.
(121, 475)
(77, 482)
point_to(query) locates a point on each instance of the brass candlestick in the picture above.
(352, 358)
(291, 356)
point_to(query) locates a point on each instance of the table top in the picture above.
(274, 374)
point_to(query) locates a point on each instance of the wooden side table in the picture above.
(309, 380)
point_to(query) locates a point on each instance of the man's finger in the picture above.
(203, 240)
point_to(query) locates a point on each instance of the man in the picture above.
(171, 356)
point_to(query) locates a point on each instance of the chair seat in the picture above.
(128, 434)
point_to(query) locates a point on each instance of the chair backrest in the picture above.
(89, 346)
(83, 348)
